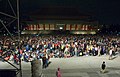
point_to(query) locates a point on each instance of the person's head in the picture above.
(58, 69)
(104, 62)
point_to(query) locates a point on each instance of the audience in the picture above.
(56, 46)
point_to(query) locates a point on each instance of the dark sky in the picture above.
(106, 11)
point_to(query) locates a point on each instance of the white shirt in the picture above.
(110, 52)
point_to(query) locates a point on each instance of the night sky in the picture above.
(106, 11)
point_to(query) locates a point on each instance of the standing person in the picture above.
(110, 53)
(99, 50)
(103, 67)
(66, 51)
(58, 73)
(44, 60)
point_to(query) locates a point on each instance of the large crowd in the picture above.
(29, 48)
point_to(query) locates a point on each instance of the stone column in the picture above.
(36, 68)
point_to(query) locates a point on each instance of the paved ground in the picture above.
(85, 66)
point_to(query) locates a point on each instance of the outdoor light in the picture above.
(61, 28)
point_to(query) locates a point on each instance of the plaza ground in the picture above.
(84, 66)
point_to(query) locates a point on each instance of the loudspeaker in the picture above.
(7, 73)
